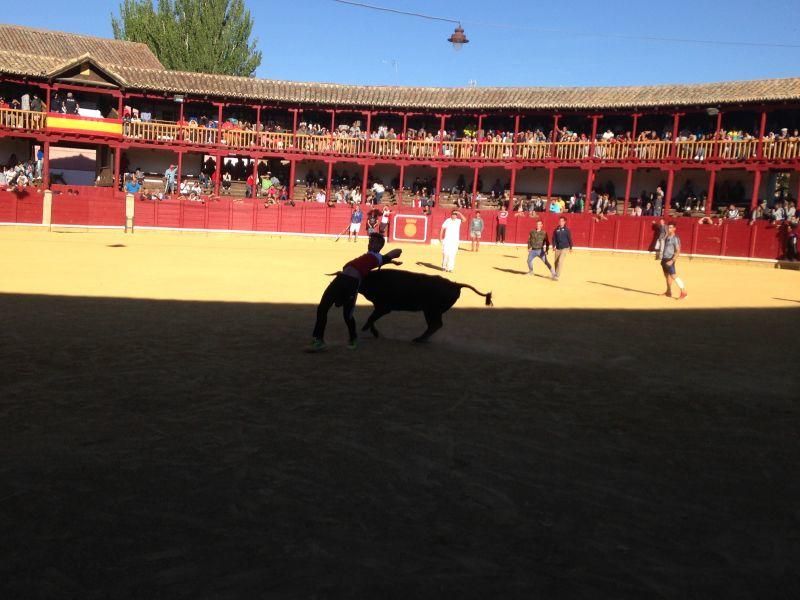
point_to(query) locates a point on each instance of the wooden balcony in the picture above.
(600, 152)
(22, 120)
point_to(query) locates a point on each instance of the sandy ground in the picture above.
(163, 436)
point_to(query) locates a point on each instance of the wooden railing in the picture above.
(423, 148)
(781, 149)
(21, 119)
(656, 150)
(356, 146)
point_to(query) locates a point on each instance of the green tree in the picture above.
(206, 36)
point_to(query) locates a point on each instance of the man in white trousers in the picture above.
(449, 237)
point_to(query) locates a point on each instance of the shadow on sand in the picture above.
(624, 289)
(190, 449)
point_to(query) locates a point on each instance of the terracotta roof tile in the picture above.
(26, 40)
(34, 52)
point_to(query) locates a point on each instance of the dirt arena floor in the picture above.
(163, 436)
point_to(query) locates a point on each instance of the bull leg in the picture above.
(379, 312)
(434, 320)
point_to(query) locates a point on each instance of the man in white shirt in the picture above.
(449, 237)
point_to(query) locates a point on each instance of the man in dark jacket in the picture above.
(562, 242)
(538, 245)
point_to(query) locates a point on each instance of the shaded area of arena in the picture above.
(158, 449)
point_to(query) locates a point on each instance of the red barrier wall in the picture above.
(91, 206)
(21, 207)
(84, 205)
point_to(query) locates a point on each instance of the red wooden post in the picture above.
(635, 129)
(217, 173)
(330, 134)
(330, 180)
(46, 166)
(554, 141)
(438, 184)
(399, 190)
(180, 172)
(628, 184)
(255, 180)
(668, 192)
(441, 133)
(258, 117)
(762, 130)
(117, 167)
(797, 195)
(219, 124)
(514, 140)
(589, 181)
(369, 138)
(475, 184)
(364, 176)
(180, 114)
(756, 189)
(716, 147)
(404, 145)
(294, 120)
(675, 126)
(712, 182)
(551, 173)
(511, 188)
(593, 140)
(292, 171)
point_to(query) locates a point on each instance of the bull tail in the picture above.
(487, 296)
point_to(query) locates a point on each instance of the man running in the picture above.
(475, 231)
(449, 237)
(538, 245)
(343, 290)
(669, 254)
(355, 223)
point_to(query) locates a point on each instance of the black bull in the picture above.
(394, 289)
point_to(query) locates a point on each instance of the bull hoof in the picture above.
(375, 333)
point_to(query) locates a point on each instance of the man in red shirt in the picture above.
(343, 290)
(502, 219)
(250, 183)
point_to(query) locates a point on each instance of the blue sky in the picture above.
(536, 43)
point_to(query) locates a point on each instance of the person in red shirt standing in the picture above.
(343, 290)
(502, 219)
(250, 186)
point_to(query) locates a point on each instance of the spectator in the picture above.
(791, 243)
(227, 181)
(658, 204)
(475, 232)
(383, 228)
(132, 185)
(170, 177)
(70, 106)
(502, 220)
(449, 237)
(732, 212)
(661, 234)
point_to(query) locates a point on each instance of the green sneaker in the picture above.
(317, 346)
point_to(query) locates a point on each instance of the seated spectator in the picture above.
(132, 185)
(732, 212)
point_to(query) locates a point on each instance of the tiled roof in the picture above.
(36, 53)
(495, 98)
(40, 42)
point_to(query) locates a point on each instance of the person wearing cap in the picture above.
(170, 179)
